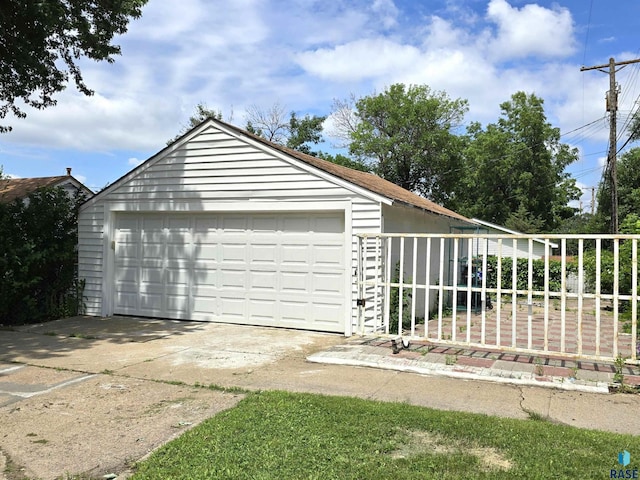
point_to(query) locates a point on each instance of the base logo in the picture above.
(624, 459)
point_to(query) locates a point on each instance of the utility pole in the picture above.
(612, 107)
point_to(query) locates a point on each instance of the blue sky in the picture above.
(303, 54)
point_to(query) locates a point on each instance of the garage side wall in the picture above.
(400, 219)
(214, 171)
(90, 256)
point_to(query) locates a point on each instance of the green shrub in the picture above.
(522, 273)
(38, 258)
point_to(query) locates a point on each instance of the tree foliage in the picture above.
(295, 132)
(42, 41)
(303, 131)
(628, 183)
(345, 161)
(515, 170)
(38, 269)
(406, 133)
(201, 114)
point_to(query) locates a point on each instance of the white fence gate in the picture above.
(577, 299)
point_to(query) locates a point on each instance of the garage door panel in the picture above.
(233, 279)
(263, 281)
(264, 225)
(294, 282)
(328, 224)
(292, 311)
(127, 301)
(263, 254)
(294, 254)
(262, 311)
(205, 252)
(328, 313)
(264, 269)
(233, 253)
(328, 255)
(327, 284)
(295, 224)
(232, 307)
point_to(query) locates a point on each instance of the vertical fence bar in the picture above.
(634, 298)
(359, 286)
(441, 289)
(598, 292)
(376, 281)
(499, 293)
(483, 297)
(454, 299)
(530, 296)
(469, 284)
(514, 293)
(616, 288)
(401, 284)
(363, 276)
(580, 292)
(546, 295)
(563, 294)
(414, 274)
(427, 291)
(387, 280)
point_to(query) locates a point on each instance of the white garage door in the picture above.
(285, 270)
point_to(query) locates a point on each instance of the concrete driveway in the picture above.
(88, 395)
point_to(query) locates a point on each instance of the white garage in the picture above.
(225, 226)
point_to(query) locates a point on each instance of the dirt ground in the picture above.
(99, 425)
(93, 396)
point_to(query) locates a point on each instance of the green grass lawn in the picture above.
(279, 435)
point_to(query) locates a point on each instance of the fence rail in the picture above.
(569, 295)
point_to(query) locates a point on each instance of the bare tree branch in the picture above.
(272, 123)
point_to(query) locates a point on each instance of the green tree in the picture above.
(38, 269)
(41, 42)
(628, 183)
(295, 132)
(515, 170)
(406, 133)
(303, 131)
(343, 160)
(201, 114)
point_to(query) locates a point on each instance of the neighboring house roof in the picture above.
(499, 228)
(365, 180)
(12, 188)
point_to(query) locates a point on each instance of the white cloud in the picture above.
(360, 59)
(134, 162)
(530, 31)
(233, 54)
(387, 12)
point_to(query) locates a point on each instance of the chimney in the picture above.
(68, 171)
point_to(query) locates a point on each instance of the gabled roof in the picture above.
(368, 181)
(12, 188)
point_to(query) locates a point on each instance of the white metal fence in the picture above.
(578, 299)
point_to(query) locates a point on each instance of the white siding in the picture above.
(214, 171)
(90, 256)
(400, 219)
(522, 247)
